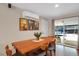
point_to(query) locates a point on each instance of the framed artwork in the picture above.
(28, 24)
(33, 25)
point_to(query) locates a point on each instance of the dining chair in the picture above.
(10, 51)
(52, 47)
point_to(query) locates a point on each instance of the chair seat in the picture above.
(51, 48)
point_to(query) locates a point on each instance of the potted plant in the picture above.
(37, 35)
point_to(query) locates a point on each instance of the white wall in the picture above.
(26, 13)
(44, 26)
(51, 27)
(9, 27)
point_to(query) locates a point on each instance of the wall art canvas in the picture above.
(28, 24)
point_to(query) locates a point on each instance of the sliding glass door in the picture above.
(66, 31)
(59, 31)
(71, 32)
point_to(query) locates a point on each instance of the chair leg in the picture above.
(54, 51)
(50, 52)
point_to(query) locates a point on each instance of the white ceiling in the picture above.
(48, 10)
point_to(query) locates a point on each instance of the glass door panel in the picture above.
(59, 31)
(71, 32)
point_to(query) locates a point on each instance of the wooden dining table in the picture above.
(25, 46)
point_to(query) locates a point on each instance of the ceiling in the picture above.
(48, 10)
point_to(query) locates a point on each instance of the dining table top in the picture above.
(26, 46)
